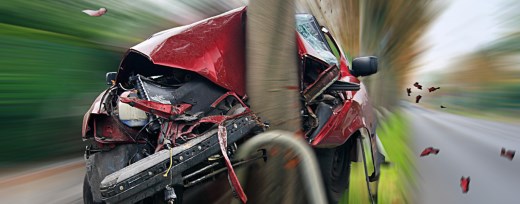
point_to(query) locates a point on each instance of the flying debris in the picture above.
(464, 184)
(507, 153)
(432, 89)
(443, 106)
(96, 13)
(417, 85)
(408, 91)
(418, 98)
(428, 151)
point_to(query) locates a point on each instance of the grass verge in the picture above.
(397, 179)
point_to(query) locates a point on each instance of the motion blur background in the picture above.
(53, 60)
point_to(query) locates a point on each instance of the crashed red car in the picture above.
(177, 111)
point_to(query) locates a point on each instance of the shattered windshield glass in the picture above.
(310, 31)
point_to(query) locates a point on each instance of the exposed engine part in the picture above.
(169, 194)
(328, 98)
(145, 177)
(214, 157)
(261, 155)
(200, 93)
(323, 112)
(189, 118)
(232, 149)
(200, 171)
(324, 80)
(130, 116)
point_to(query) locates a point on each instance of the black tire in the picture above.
(87, 193)
(335, 170)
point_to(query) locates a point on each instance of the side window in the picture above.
(334, 49)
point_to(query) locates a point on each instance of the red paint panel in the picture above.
(167, 111)
(213, 48)
(111, 130)
(95, 109)
(343, 123)
(354, 114)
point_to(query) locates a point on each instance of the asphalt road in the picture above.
(59, 183)
(468, 147)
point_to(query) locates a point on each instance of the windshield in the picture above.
(307, 26)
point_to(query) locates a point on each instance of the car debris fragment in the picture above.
(96, 13)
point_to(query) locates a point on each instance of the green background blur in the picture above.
(53, 62)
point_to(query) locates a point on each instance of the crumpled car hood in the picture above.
(213, 48)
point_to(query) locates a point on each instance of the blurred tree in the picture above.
(391, 30)
(488, 78)
(271, 64)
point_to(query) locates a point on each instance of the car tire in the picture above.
(87, 193)
(335, 169)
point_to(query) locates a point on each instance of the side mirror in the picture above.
(111, 78)
(364, 66)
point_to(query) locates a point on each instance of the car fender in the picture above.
(97, 108)
(353, 115)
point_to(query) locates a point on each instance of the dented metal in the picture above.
(190, 83)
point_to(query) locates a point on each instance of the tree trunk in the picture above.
(272, 72)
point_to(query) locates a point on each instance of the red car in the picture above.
(176, 111)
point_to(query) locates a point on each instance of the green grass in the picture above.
(397, 179)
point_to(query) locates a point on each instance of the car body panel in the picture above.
(355, 114)
(95, 109)
(215, 49)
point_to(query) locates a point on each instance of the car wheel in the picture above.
(335, 169)
(87, 193)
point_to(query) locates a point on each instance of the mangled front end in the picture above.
(172, 117)
(176, 125)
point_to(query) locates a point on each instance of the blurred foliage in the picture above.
(396, 180)
(486, 81)
(391, 31)
(388, 29)
(65, 17)
(53, 62)
(341, 18)
(48, 81)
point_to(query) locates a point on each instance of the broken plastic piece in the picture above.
(432, 89)
(509, 154)
(96, 13)
(464, 184)
(428, 151)
(418, 98)
(417, 85)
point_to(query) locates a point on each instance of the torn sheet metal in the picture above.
(222, 139)
(162, 110)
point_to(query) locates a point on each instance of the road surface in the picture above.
(58, 183)
(468, 147)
